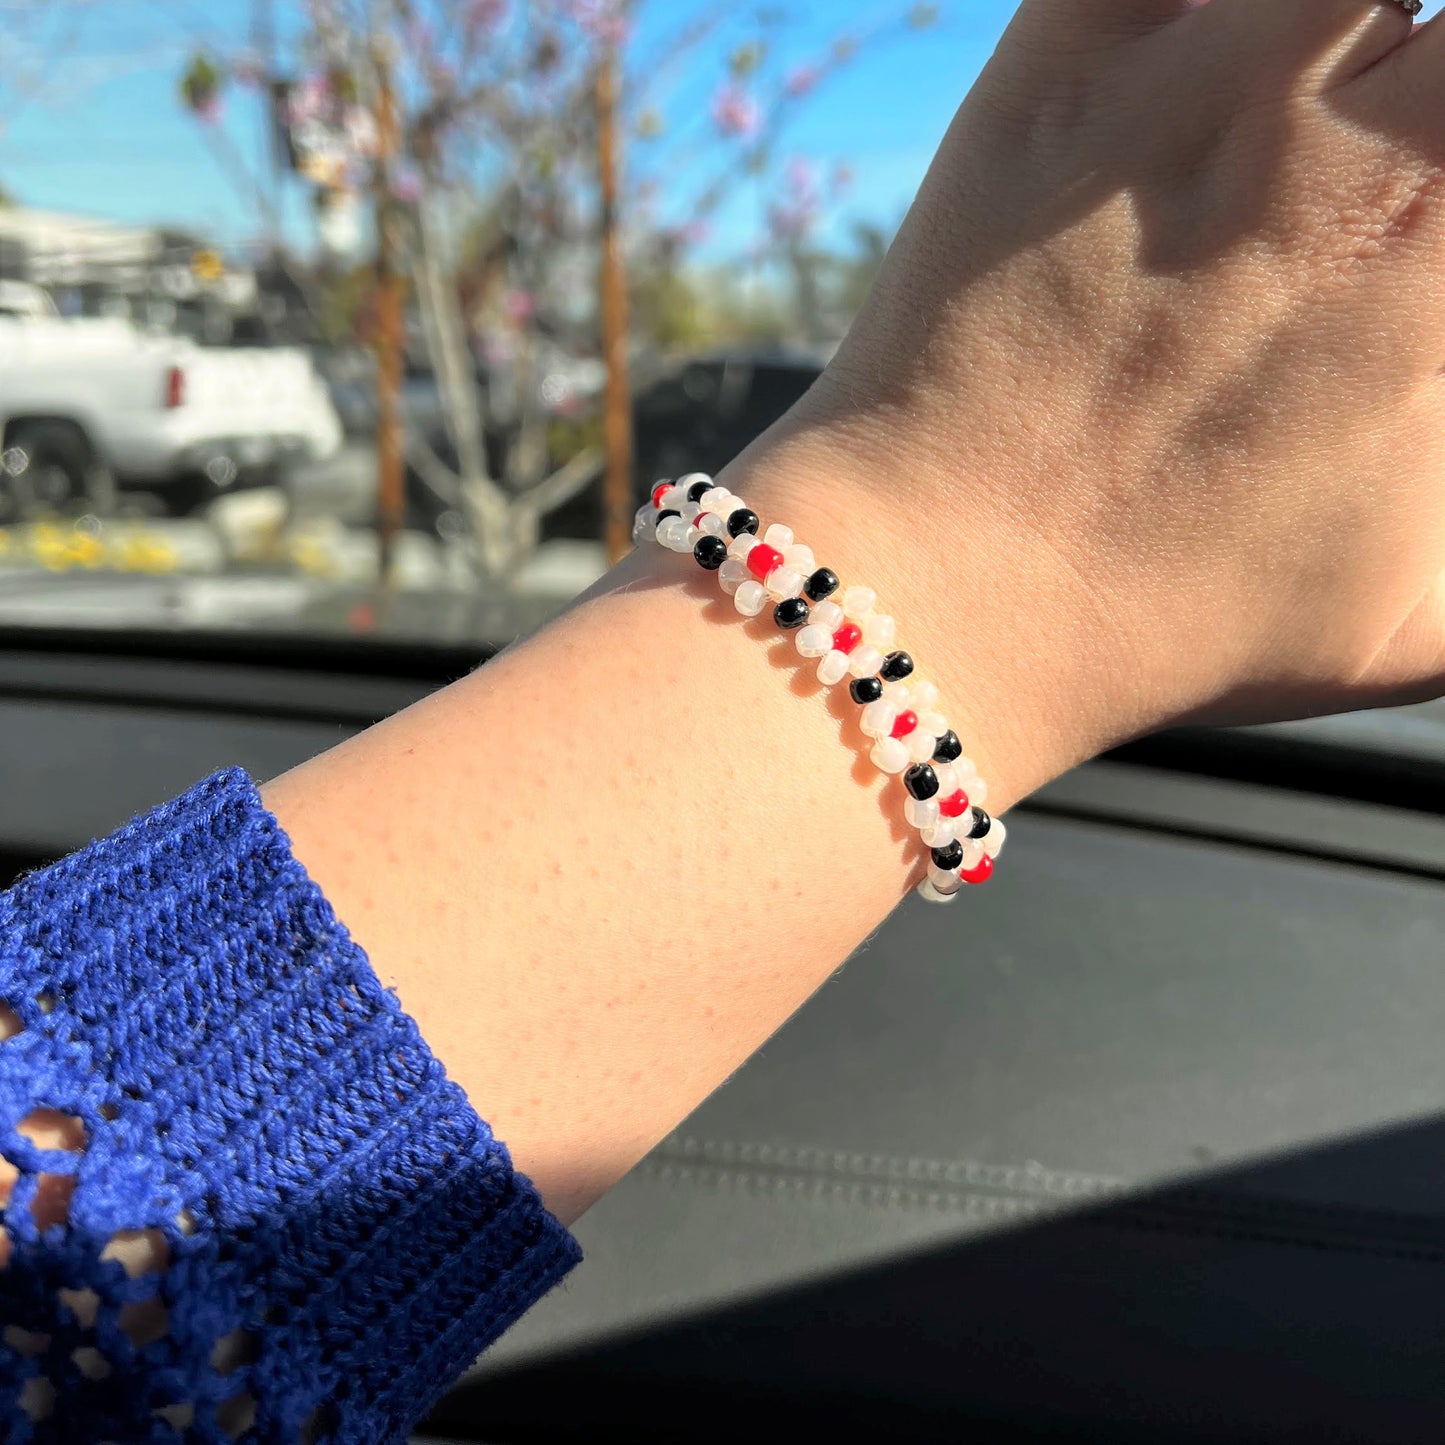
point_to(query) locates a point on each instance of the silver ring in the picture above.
(1410, 7)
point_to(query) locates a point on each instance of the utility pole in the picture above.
(390, 324)
(617, 413)
(263, 43)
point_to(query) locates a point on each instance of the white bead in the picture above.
(751, 597)
(690, 512)
(778, 536)
(921, 743)
(925, 694)
(813, 641)
(946, 880)
(674, 497)
(712, 499)
(864, 661)
(858, 602)
(930, 894)
(644, 529)
(741, 545)
(693, 537)
(691, 480)
(785, 582)
(921, 812)
(993, 840)
(828, 614)
(947, 775)
(732, 574)
(899, 694)
(889, 755)
(672, 533)
(832, 667)
(930, 722)
(800, 555)
(972, 853)
(711, 524)
(977, 790)
(941, 833)
(879, 629)
(877, 718)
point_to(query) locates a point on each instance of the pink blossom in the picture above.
(308, 99)
(519, 305)
(406, 185)
(801, 79)
(486, 14)
(692, 233)
(208, 108)
(793, 217)
(604, 20)
(735, 112)
(248, 70)
(802, 176)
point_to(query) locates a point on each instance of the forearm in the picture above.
(603, 869)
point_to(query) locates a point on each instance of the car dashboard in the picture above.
(1142, 1142)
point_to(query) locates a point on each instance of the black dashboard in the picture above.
(1145, 1143)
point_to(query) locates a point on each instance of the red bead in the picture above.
(847, 637)
(981, 872)
(762, 559)
(955, 805)
(905, 724)
(657, 492)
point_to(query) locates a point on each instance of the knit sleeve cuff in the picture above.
(253, 1117)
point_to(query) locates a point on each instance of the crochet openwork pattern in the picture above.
(241, 1199)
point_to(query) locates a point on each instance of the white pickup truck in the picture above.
(89, 404)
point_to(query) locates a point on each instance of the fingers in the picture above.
(1411, 77)
(1323, 42)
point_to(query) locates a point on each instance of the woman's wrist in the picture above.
(979, 605)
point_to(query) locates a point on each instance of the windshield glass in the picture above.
(306, 305)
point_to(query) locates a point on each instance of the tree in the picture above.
(492, 192)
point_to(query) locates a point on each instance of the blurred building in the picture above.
(155, 275)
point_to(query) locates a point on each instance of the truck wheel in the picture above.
(51, 467)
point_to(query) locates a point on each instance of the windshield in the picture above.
(304, 304)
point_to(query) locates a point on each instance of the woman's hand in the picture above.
(1149, 394)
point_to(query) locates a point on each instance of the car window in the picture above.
(200, 208)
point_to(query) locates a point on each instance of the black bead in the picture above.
(921, 781)
(711, 552)
(791, 612)
(743, 520)
(695, 491)
(865, 689)
(947, 748)
(823, 583)
(670, 512)
(896, 666)
(981, 823)
(950, 856)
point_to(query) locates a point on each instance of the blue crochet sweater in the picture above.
(331, 1207)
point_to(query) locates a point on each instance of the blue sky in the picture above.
(107, 137)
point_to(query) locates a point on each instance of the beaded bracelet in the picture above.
(847, 637)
